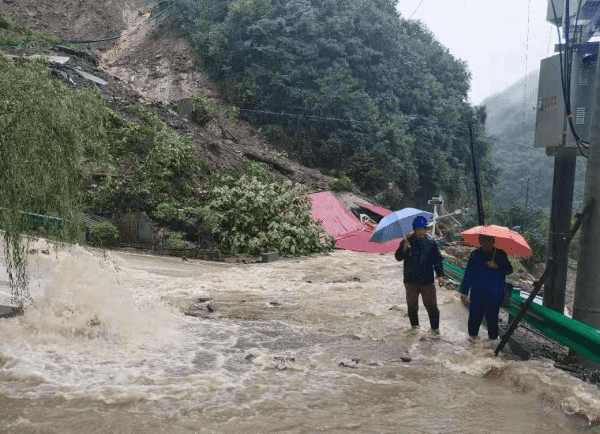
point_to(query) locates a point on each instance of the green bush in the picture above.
(104, 234)
(341, 182)
(205, 110)
(250, 217)
(149, 164)
(259, 171)
(176, 241)
(7, 22)
(19, 33)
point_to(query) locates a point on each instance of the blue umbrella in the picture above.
(397, 224)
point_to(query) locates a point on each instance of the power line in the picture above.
(305, 116)
(366, 122)
(526, 60)
(510, 143)
(417, 9)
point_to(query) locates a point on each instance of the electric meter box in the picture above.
(550, 108)
(551, 127)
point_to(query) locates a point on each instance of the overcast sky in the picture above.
(491, 36)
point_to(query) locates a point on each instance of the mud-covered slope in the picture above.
(149, 66)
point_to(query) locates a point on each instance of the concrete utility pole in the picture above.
(526, 205)
(560, 224)
(480, 215)
(586, 307)
(562, 188)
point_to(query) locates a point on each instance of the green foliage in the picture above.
(250, 216)
(6, 22)
(205, 110)
(176, 241)
(259, 171)
(150, 164)
(103, 234)
(283, 155)
(340, 182)
(19, 310)
(47, 133)
(19, 34)
(346, 85)
(168, 211)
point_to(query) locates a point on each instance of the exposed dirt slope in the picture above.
(75, 19)
(148, 66)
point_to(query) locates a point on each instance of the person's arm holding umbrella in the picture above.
(403, 248)
(501, 263)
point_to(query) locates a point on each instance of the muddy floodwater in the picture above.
(309, 345)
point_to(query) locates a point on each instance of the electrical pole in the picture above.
(586, 307)
(476, 177)
(526, 205)
(560, 224)
(564, 179)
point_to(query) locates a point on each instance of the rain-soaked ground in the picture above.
(316, 344)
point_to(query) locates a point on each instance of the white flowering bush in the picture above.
(252, 216)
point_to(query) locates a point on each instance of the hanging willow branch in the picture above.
(18, 277)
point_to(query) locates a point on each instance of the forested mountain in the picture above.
(511, 119)
(345, 85)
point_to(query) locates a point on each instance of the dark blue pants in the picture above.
(484, 308)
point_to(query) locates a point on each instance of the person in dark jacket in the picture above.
(421, 257)
(485, 278)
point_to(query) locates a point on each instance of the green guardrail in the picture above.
(42, 220)
(578, 336)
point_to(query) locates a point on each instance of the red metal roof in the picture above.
(359, 242)
(349, 232)
(376, 209)
(336, 219)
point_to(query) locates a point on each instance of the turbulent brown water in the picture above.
(297, 346)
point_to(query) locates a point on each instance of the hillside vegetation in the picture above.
(345, 85)
(511, 118)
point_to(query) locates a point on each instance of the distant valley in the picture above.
(511, 121)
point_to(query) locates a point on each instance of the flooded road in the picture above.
(317, 344)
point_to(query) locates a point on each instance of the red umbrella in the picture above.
(509, 241)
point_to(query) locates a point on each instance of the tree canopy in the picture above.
(345, 85)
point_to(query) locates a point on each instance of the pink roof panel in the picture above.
(336, 219)
(376, 209)
(359, 242)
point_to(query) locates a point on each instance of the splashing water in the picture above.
(302, 345)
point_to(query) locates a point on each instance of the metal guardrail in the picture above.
(41, 220)
(578, 336)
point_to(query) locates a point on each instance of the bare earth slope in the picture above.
(149, 66)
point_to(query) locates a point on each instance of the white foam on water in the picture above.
(103, 328)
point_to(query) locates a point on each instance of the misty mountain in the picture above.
(511, 124)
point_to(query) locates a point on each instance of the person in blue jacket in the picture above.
(485, 279)
(421, 257)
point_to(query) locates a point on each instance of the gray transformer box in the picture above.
(550, 109)
(551, 127)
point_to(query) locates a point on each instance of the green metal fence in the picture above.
(578, 336)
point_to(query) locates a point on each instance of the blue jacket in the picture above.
(420, 261)
(486, 283)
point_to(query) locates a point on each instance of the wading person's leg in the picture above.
(491, 316)
(412, 301)
(476, 312)
(430, 302)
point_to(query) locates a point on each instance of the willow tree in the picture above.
(47, 134)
